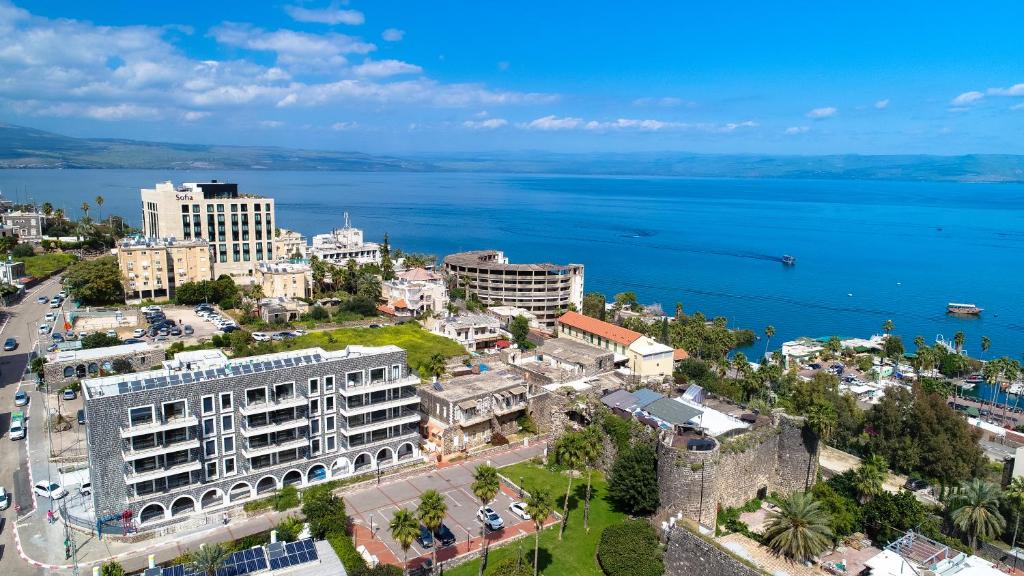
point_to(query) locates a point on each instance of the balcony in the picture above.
(132, 477)
(272, 448)
(347, 388)
(410, 417)
(274, 426)
(253, 408)
(372, 406)
(159, 449)
(501, 410)
(158, 426)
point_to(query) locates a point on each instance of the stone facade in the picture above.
(63, 367)
(688, 554)
(465, 412)
(218, 451)
(775, 457)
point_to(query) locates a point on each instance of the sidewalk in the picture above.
(39, 543)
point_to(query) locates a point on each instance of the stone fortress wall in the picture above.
(777, 456)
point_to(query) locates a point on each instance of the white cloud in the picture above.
(380, 68)
(882, 104)
(344, 126)
(797, 130)
(194, 115)
(392, 35)
(488, 124)
(665, 102)
(294, 49)
(967, 98)
(418, 91)
(331, 15)
(553, 122)
(1015, 90)
(1017, 106)
(825, 112)
(271, 123)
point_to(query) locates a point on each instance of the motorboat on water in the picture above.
(959, 308)
(788, 260)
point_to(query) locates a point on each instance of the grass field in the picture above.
(420, 344)
(43, 265)
(576, 554)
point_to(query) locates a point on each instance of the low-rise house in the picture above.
(63, 367)
(474, 331)
(277, 310)
(644, 356)
(11, 272)
(561, 360)
(465, 412)
(284, 279)
(506, 314)
(407, 298)
(344, 244)
(28, 226)
(289, 244)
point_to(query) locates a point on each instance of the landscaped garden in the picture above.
(576, 553)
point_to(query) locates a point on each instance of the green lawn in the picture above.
(44, 265)
(576, 554)
(418, 342)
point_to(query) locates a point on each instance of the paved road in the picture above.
(21, 322)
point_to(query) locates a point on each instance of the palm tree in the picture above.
(85, 209)
(569, 452)
(436, 365)
(99, 206)
(58, 213)
(821, 419)
(404, 529)
(769, 331)
(870, 478)
(985, 345)
(539, 506)
(799, 529)
(1014, 496)
(593, 447)
(209, 558)
(485, 487)
(919, 341)
(958, 341)
(431, 512)
(47, 211)
(833, 345)
(888, 326)
(974, 510)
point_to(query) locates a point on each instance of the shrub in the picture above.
(346, 551)
(630, 549)
(526, 424)
(633, 485)
(286, 498)
(257, 505)
(513, 567)
(22, 251)
(498, 439)
(324, 511)
(289, 528)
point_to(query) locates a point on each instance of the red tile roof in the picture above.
(600, 328)
(401, 304)
(680, 354)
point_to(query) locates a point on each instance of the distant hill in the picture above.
(22, 147)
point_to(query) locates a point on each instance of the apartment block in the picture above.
(28, 226)
(239, 227)
(344, 244)
(284, 279)
(208, 433)
(544, 290)
(152, 267)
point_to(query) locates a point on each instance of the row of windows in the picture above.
(244, 207)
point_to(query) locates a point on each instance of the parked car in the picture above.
(69, 394)
(139, 332)
(278, 336)
(260, 336)
(163, 331)
(133, 341)
(374, 325)
(490, 518)
(57, 337)
(85, 489)
(10, 344)
(150, 309)
(426, 539)
(229, 328)
(50, 316)
(161, 338)
(299, 332)
(175, 331)
(42, 300)
(52, 490)
(81, 416)
(519, 509)
(915, 484)
(444, 535)
(5, 499)
(814, 366)
(55, 303)
(62, 294)
(111, 334)
(44, 328)
(189, 330)
(21, 398)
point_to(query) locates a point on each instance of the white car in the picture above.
(261, 336)
(51, 316)
(85, 489)
(44, 328)
(519, 509)
(139, 332)
(111, 334)
(490, 518)
(5, 499)
(299, 332)
(53, 491)
(145, 309)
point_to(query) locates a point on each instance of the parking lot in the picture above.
(378, 504)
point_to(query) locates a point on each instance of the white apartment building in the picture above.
(405, 298)
(344, 244)
(239, 227)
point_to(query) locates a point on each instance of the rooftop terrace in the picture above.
(465, 387)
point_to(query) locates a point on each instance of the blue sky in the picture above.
(384, 76)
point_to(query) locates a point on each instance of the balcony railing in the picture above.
(252, 408)
(159, 449)
(404, 400)
(132, 477)
(408, 417)
(159, 426)
(348, 388)
(273, 447)
(273, 426)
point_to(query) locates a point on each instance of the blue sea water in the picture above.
(866, 251)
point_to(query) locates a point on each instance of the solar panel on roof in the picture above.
(246, 369)
(187, 376)
(122, 388)
(210, 374)
(294, 553)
